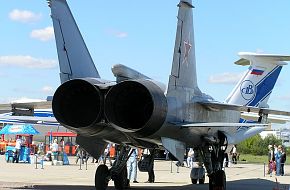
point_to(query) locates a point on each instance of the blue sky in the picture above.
(141, 35)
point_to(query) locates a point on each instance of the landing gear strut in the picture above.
(212, 154)
(118, 172)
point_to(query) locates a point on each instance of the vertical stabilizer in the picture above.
(256, 85)
(183, 72)
(74, 58)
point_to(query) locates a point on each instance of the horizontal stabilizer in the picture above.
(246, 57)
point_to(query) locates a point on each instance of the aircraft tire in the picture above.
(101, 182)
(121, 182)
(201, 181)
(193, 181)
(217, 181)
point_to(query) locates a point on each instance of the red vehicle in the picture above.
(68, 143)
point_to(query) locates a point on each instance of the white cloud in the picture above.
(27, 61)
(285, 97)
(117, 34)
(47, 90)
(24, 16)
(121, 34)
(225, 78)
(8, 100)
(25, 100)
(44, 34)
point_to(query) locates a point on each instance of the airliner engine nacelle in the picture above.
(136, 106)
(78, 105)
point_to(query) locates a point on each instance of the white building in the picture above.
(283, 134)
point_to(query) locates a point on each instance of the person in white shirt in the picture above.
(190, 158)
(234, 154)
(132, 165)
(54, 149)
(18, 148)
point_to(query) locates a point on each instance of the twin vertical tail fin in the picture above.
(74, 58)
(256, 85)
(183, 72)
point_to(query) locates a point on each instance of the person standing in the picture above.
(283, 160)
(278, 156)
(150, 156)
(271, 159)
(190, 158)
(234, 154)
(107, 154)
(18, 145)
(79, 154)
(54, 149)
(61, 144)
(132, 165)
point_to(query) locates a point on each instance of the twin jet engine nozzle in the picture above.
(134, 106)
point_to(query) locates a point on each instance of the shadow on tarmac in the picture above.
(248, 184)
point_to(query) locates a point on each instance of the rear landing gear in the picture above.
(212, 155)
(217, 181)
(121, 182)
(102, 177)
(118, 172)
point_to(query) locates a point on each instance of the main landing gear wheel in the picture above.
(217, 181)
(121, 182)
(101, 181)
(201, 181)
(194, 181)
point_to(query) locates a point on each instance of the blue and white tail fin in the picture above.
(183, 72)
(74, 58)
(256, 85)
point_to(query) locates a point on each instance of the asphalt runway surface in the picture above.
(168, 177)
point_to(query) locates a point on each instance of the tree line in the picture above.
(256, 145)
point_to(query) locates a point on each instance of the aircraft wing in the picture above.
(27, 105)
(265, 111)
(221, 124)
(5, 107)
(28, 119)
(271, 118)
(216, 106)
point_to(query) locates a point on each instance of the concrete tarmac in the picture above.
(168, 177)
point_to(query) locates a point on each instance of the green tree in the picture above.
(255, 145)
(271, 139)
(249, 145)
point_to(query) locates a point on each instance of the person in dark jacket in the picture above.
(283, 160)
